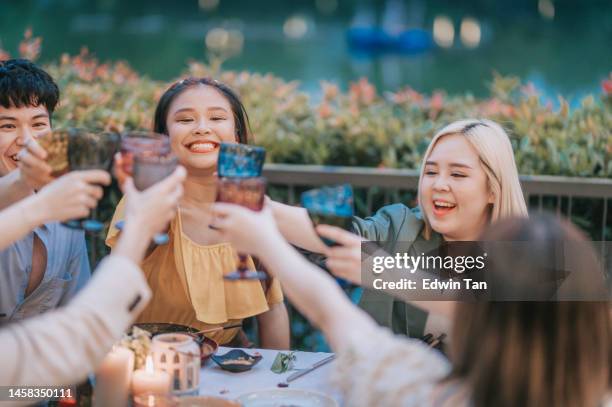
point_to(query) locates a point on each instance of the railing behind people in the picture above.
(559, 194)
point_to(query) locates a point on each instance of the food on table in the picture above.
(238, 361)
(283, 362)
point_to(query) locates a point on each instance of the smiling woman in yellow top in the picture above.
(186, 275)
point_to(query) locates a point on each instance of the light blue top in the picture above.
(67, 271)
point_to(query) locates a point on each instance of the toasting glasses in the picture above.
(250, 193)
(147, 157)
(239, 169)
(80, 149)
(330, 206)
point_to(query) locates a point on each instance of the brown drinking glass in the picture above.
(250, 193)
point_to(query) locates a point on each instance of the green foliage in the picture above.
(358, 127)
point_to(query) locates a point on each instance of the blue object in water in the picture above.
(368, 38)
(414, 41)
(374, 39)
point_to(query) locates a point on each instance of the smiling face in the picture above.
(454, 191)
(17, 125)
(198, 121)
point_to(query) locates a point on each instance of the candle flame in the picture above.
(149, 365)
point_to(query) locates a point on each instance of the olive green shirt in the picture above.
(390, 226)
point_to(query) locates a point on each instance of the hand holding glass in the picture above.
(80, 149)
(250, 193)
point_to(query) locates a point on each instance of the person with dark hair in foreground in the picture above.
(502, 354)
(48, 265)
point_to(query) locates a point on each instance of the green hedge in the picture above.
(358, 127)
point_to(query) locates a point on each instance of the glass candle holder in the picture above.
(178, 355)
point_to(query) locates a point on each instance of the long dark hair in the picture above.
(241, 119)
(534, 353)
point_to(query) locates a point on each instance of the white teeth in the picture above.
(444, 204)
(202, 147)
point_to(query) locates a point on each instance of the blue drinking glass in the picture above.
(240, 160)
(330, 206)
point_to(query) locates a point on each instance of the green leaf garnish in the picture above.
(283, 362)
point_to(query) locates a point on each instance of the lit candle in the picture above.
(113, 378)
(147, 380)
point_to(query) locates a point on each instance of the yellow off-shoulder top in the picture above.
(188, 286)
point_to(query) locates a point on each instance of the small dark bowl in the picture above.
(223, 360)
(208, 346)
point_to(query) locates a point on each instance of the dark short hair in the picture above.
(23, 83)
(241, 118)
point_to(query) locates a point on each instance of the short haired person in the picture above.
(45, 268)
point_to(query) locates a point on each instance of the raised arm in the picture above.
(295, 225)
(71, 196)
(309, 288)
(61, 347)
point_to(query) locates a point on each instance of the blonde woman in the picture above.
(468, 180)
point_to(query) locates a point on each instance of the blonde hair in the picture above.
(495, 152)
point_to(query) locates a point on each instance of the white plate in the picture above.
(286, 397)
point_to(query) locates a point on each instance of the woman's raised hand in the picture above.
(245, 229)
(343, 261)
(71, 196)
